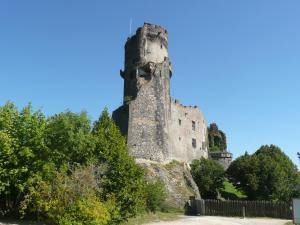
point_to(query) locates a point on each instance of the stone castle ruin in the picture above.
(218, 146)
(157, 127)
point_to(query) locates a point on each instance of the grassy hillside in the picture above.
(230, 192)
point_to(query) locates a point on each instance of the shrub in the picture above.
(156, 195)
(85, 211)
(67, 199)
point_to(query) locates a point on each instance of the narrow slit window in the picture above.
(193, 125)
(179, 122)
(194, 143)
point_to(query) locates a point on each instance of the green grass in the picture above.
(289, 223)
(153, 217)
(230, 192)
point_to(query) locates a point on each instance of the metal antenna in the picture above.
(130, 25)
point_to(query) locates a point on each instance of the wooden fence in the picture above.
(239, 208)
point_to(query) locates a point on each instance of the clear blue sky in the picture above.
(238, 60)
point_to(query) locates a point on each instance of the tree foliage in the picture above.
(123, 179)
(216, 139)
(268, 174)
(22, 150)
(69, 137)
(209, 177)
(37, 160)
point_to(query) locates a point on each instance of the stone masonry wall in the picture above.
(188, 133)
(148, 117)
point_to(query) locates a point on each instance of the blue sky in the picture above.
(237, 60)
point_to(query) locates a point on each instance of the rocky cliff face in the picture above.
(177, 178)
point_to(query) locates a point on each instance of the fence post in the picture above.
(244, 212)
(202, 207)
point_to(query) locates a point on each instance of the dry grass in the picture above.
(151, 217)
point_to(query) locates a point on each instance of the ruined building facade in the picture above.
(157, 127)
(218, 146)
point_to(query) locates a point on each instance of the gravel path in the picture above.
(216, 220)
(196, 220)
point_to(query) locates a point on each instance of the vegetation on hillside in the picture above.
(230, 192)
(209, 176)
(66, 170)
(268, 174)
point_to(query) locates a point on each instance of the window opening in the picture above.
(194, 144)
(193, 125)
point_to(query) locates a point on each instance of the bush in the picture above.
(67, 199)
(156, 195)
(209, 177)
(85, 211)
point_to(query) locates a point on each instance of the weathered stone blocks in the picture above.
(157, 127)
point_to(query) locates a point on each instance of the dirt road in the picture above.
(196, 220)
(216, 220)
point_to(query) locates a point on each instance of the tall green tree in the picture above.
(268, 174)
(69, 138)
(22, 150)
(209, 177)
(123, 179)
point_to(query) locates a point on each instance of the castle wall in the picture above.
(224, 158)
(188, 140)
(148, 117)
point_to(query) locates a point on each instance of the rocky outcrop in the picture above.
(177, 179)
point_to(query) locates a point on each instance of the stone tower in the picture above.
(148, 114)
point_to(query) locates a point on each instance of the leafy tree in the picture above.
(242, 173)
(36, 155)
(155, 195)
(268, 174)
(123, 180)
(22, 151)
(209, 177)
(68, 136)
